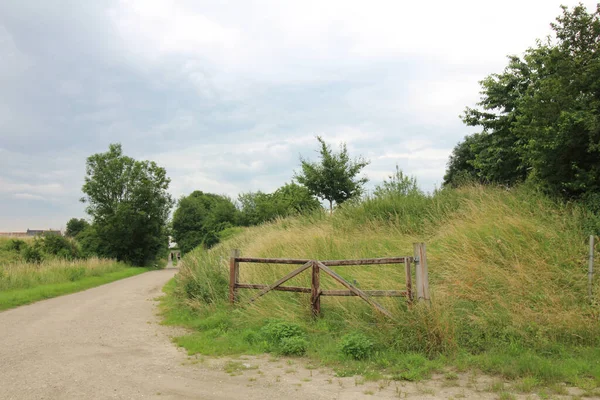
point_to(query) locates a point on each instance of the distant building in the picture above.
(37, 232)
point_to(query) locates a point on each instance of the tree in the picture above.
(398, 185)
(541, 116)
(335, 177)
(75, 226)
(129, 205)
(258, 207)
(199, 218)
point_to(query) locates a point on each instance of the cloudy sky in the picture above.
(227, 94)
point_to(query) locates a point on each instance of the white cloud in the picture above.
(28, 196)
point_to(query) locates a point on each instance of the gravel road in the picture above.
(106, 343)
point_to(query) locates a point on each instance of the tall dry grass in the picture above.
(505, 267)
(21, 275)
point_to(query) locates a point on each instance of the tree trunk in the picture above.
(330, 207)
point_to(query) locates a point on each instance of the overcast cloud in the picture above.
(227, 94)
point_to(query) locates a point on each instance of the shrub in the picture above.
(275, 331)
(285, 338)
(15, 245)
(59, 246)
(293, 346)
(356, 345)
(32, 254)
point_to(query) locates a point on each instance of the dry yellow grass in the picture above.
(503, 264)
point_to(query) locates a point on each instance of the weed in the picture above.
(356, 345)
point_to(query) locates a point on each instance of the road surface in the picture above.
(106, 343)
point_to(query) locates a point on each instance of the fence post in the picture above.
(591, 267)
(408, 273)
(315, 294)
(234, 275)
(421, 272)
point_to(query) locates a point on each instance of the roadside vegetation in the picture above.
(506, 241)
(507, 277)
(32, 270)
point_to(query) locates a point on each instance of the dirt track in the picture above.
(106, 343)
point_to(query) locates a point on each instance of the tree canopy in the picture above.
(129, 205)
(335, 177)
(75, 226)
(259, 207)
(540, 117)
(200, 217)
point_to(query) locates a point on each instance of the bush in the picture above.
(275, 331)
(285, 338)
(15, 245)
(58, 245)
(357, 346)
(293, 346)
(32, 254)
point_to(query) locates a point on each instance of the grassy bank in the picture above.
(23, 283)
(507, 277)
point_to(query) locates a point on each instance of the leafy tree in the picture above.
(292, 198)
(200, 217)
(335, 177)
(75, 226)
(540, 118)
(256, 208)
(129, 205)
(259, 207)
(398, 185)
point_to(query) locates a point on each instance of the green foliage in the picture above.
(199, 218)
(274, 331)
(75, 226)
(398, 185)
(290, 199)
(15, 245)
(356, 345)
(540, 118)
(293, 346)
(335, 177)
(57, 245)
(129, 204)
(284, 338)
(32, 254)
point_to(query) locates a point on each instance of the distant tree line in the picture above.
(200, 218)
(540, 117)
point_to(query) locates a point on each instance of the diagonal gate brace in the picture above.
(354, 289)
(282, 280)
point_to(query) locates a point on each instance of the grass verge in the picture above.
(507, 277)
(18, 297)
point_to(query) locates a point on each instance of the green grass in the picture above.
(18, 297)
(507, 278)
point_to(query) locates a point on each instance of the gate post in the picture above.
(421, 272)
(409, 293)
(234, 275)
(315, 293)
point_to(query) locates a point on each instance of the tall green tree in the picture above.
(540, 118)
(129, 205)
(75, 226)
(200, 217)
(335, 177)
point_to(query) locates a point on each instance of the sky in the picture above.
(227, 95)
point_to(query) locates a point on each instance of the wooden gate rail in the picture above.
(317, 266)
